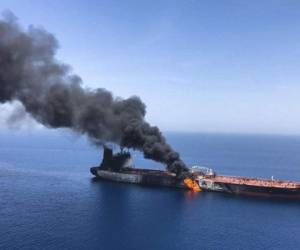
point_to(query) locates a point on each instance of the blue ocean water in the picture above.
(48, 199)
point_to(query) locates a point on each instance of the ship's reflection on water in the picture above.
(190, 195)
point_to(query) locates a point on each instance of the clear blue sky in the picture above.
(217, 66)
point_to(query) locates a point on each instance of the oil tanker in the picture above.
(118, 167)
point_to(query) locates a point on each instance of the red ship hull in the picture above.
(251, 186)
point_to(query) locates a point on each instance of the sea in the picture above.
(49, 199)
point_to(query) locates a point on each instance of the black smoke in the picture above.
(30, 74)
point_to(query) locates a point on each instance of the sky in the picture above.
(200, 66)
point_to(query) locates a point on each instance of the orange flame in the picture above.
(192, 184)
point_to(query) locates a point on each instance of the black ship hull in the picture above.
(140, 176)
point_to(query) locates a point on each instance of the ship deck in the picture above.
(256, 182)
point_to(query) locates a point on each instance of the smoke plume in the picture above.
(30, 74)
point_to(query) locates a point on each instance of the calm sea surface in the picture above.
(48, 199)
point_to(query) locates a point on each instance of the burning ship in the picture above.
(118, 167)
(28, 65)
(61, 101)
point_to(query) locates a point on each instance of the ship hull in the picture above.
(140, 176)
(240, 189)
(163, 178)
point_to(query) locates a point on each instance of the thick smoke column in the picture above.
(30, 73)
